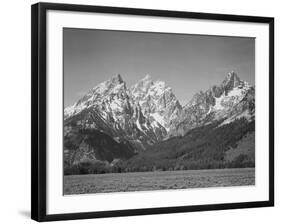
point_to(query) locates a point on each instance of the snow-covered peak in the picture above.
(230, 99)
(142, 86)
(147, 87)
(102, 92)
(118, 111)
(157, 100)
(105, 87)
(232, 89)
(158, 88)
(152, 104)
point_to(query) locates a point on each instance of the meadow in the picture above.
(158, 180)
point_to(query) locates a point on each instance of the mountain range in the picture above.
(114, 125)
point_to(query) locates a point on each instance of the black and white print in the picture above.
(157, 111)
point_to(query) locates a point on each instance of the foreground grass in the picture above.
(160, 180)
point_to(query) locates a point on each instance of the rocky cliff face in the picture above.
(230, 100)
(111, 108)
(157, 100)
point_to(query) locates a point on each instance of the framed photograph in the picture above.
(139, 111)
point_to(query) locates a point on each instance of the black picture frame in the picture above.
(38, 108)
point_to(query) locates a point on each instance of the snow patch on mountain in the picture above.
(158, 118)
(218, 104)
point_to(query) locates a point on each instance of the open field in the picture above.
(160, 180)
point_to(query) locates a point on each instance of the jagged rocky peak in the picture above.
(116, 82)
(142, 86)
(233, 98)
(149, 111)
(148, 87)
(113, 109)
(117, 79)
(231, 81)
(231, 87)
(107, 86)
(98, 95)
(159, 87)
(157, 100)
(110, 86)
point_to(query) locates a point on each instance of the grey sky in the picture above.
(187, 63)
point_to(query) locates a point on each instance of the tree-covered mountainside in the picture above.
(207, 147)
(88, 146)
(201, 148)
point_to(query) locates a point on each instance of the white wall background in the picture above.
(15, 110)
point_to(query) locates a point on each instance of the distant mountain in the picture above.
(114, 123)
(230, 100)
(157, 101)
(110, 108)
